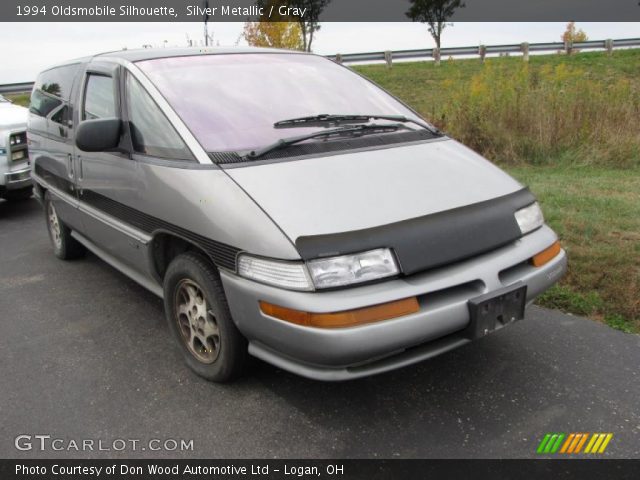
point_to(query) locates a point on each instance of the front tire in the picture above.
(199, 319)
(65, 247)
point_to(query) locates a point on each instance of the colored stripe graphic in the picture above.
(567, 442)
(591, 442)
(598, 443)
(572, 443)
(581, 443)
(556, 446)
(543, 443)
(607, 439)
(550, 443)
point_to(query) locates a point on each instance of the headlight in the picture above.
(529, 218)
(19, 155)
(291, 275)
(350, 269)
(322, 273)
(18, 139)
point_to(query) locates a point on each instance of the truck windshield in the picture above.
(231, 101)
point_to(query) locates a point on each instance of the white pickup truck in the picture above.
(15, 176)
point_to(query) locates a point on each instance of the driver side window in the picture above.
(151, 132)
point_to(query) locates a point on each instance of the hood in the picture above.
(356, 191)
(12, 116)
(432, 203)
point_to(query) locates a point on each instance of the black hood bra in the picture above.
(432, 240)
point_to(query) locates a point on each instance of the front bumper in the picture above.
(346, 353)
(18, 179)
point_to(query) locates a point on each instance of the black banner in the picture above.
(331, 10)
(307, 469)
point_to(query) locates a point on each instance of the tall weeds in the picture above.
(517, 114)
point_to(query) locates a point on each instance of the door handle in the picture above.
(70, 165)
(80, 169)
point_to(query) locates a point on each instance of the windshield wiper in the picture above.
(354, 131)
(325, 119)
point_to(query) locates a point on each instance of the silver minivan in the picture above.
(283, 207)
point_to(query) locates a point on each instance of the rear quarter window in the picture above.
(52, 88)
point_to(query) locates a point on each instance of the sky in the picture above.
(27, 48)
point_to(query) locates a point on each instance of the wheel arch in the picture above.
(165, 246)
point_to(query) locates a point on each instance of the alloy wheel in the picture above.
(54, 226)
(196, 322)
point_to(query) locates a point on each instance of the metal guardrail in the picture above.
(483, 50)
(16, 87)
(430, 53)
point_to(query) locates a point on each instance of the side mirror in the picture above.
(99, 135)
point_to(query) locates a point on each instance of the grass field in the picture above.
(568, 127)
(19, 99)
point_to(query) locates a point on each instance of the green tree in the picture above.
(273, 34)
(276, 31)
(435, 14)
(572, 35)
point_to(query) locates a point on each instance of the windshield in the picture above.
(231, 101)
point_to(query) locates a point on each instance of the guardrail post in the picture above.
(436, 55)
(608, 44)
(525, 51)
(388, 57)
(338, 58)
(482, 51)
(568, 47)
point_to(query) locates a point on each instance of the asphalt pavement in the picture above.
(85, 354)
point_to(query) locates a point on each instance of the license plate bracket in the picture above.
(496, 309)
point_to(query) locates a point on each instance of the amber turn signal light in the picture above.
(546, 255)
(347, 318)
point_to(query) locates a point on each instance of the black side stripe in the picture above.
(56, 180)
(223, 255)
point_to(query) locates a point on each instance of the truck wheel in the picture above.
(19, 195)
(65, 246)
(198, 315)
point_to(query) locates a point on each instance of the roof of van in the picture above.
(153, 53)
(139, 54)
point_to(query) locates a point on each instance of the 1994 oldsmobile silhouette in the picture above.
(283, 207)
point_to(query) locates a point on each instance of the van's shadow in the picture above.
(446, 380)
(468, 391)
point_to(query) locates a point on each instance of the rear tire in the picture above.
(65, 247)
(199, 319)
(18, 195)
